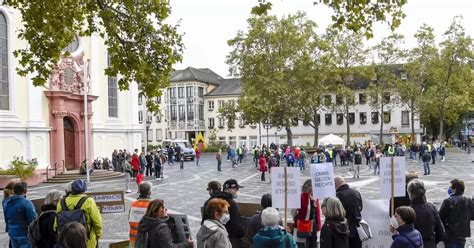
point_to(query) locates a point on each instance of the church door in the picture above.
(69, 144)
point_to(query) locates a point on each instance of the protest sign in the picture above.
(109, 202)
(385, 177)
(322, 177)
(293, 187)
(375, 212)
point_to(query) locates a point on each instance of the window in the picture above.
(180, 92)
(319, 119)
(375, 117)
(149, 134)
(221, 122)
(140, 117)
(201, 112)
(231, 123)
(158, 118)
(173, 92)
(405, 118)
(220, 103)
(351, 118)
(327, 100)
(211, 122)
(73, 46)
(386, 117)
(189, 91)
(112, 89)
(362, 99)
(190, 112)
(210, 105)
(149, 117)
(159, 134)
(243, 140)
(221, 140)
(140, 99)
(241, 122)
(4, 87)
(231, 102)
(339, 119)
(158, 100)
(200, 91)
(386, 97)
(339, 100)
(252, 141)
(173, 112)
(181, 114)
(363, 118)
(328, 119)
(232, 140)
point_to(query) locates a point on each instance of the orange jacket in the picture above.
(137, 210)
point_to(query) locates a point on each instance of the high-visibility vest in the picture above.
(137, 210)
(391, 150)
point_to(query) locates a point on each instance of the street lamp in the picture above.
(147, 127)
(267, 125)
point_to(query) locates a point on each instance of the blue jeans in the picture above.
(20, 242)
(219, 162)
(413, 155)
(301, 164)
(426, 166)
(456, 243)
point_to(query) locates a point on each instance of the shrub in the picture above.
(22, 169)
(213, 148)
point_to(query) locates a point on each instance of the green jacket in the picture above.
(93, 217)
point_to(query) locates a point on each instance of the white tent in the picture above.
(331, 139)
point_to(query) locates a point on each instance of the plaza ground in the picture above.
(184, 191)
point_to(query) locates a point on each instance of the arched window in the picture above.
(112, 93)
(4, 89)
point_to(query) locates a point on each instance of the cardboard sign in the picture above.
(385, 177)
(293, 187)
(322, 178)
(375, 212)
(109, 202)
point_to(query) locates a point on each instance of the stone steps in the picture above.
(97, 175)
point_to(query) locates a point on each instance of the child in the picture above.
(139, 177)
(181, 161)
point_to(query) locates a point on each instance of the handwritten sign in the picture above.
(293, 187)
(109, 202)
(386, 179)
(322, 178)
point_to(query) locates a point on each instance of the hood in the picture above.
(208, 228)
(340, 227)
(272, 236)
(14, 199)
(222, 194)
(147, 224)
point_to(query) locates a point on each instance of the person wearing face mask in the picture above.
(404, 233)
(213, 232)
(153, 230)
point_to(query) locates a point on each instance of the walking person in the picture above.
(213, 233)
(219, 159)
(263, 166)
(426, 157)
(19, 212)
(240, 154)
(352, 202)
(335, 231)
(198, 155)
(233, 156)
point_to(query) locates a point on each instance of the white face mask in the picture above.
(224, 219)
(235, 195)
(394, 222)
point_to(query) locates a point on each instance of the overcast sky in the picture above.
(208, 24)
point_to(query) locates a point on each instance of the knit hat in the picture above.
(78, 186)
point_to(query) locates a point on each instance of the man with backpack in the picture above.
(19, 212)
(80, 208)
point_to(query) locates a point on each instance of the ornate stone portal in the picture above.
(66, 113)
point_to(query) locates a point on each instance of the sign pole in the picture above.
(392, 186)
(286, 197)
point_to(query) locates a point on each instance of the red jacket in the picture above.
(263, 163)
(198, 153)
(301, 214)
(296, 151)
(135, 162)
(139, 178)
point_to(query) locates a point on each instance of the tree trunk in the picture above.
(348, 127)
(289, 135)
(412, 107)
(316, 128)
(441, 125)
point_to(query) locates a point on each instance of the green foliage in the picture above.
(21, 169)
(141, 45)
(229, 112)
(214, 148)
(212, 137)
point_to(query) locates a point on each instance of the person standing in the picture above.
(272, 235)
(47, 235)
(170, 152)
(352, 202)
(256, 220)
(73, 236)
(213, 233)
(158, 164)
(357, 162)
(233, 155)
(120, 161)
(442, 151)
(19, 212)
(213, 188)
(240, 154)
(378, 155)
(219, 159)
(405, 236)
(149, 164)
(456, 212)
(433, 154)
(138, 209)
(263, 166)
(198, 155)
(142, 161)
(308, 213)
(426, 162)
(302, 160)
(135, 163)
(335, 231)
(115, 159)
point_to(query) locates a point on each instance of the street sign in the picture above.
(322, 179)
(386, 177)
(293, 187)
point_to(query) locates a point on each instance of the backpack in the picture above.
(358, 158)
(34, 229)
(76, 215)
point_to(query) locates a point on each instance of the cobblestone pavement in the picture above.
(184, 190)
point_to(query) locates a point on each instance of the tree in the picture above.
(266, 58)
(141, 46)
(389, 54)
(347, 58)
(358, 16)
(448, 93)
(411, 88)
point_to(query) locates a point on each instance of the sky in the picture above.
(207, 25)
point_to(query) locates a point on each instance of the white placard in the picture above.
(375, 212)
(385, 177)
(278, 187)
(322, 179)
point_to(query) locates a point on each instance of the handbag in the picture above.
(363, 229)
(305, 227)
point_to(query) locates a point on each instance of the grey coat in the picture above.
(213, 234)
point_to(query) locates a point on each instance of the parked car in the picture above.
(185, 146)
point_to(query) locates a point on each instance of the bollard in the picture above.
(127, 181)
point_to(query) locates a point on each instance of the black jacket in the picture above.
(456, 212)
(48, 235)
(233, 227)
(428, 222)
(335, 234)
(254, 226)
(155, 233)
(352, 202)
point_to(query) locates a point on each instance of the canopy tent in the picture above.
(331, 139)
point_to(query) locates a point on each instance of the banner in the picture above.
(109, 202)
(375, 212)
(293, 187)
(322, 178)
(385, 177)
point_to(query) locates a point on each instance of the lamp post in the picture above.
(86, 117)
(147, 127)
(267, 125)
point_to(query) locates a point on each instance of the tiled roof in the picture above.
(231, 86)
(196, 74)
